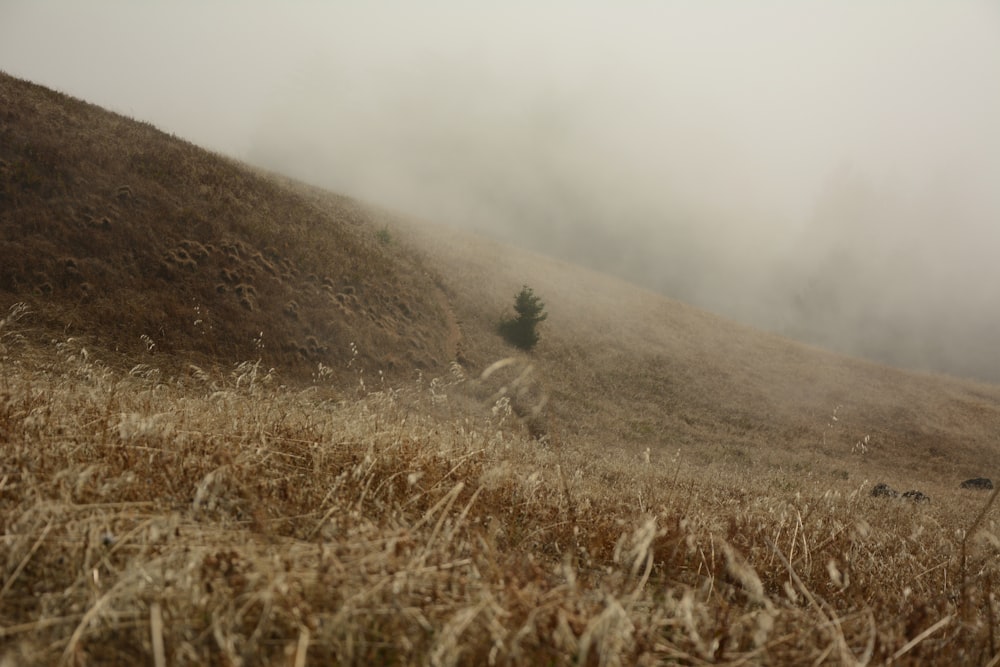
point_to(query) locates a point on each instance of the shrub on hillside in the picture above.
(522, 330)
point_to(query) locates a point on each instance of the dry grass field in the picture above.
(193, 471)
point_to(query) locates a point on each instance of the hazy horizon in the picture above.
(824, 170)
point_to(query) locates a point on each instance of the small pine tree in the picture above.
(520, 330)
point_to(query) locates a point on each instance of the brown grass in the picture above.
(110, 229)
(303, 479)
(226, 520)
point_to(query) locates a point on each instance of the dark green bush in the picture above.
(522, 329)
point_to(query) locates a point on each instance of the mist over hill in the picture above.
(153, 253)
(824, 172)
(247, 420)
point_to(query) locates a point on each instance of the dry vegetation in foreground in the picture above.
(693, 492)
(222, 519)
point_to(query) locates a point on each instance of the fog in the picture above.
(829, 171)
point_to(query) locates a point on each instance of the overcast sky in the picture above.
(708, 149)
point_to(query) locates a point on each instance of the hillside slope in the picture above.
(629, 368)
(148, 246)
(156, 251)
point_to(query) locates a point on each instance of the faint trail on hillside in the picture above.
(454, 337)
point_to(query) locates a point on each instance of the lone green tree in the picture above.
(521, 330)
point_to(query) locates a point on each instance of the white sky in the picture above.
(764, 99)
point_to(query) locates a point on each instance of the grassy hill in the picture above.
(247, 421)
(142, 243)
(628, 367)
